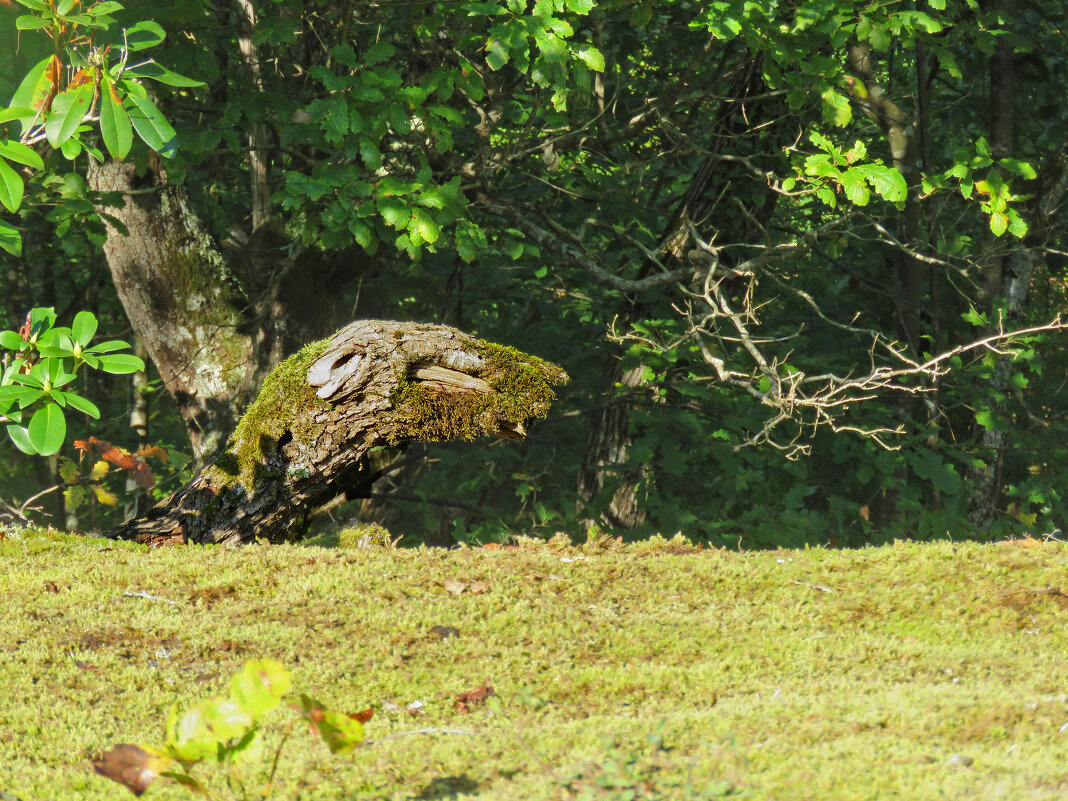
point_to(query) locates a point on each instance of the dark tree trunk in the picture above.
(319, 413)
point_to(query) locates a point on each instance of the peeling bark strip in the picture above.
(320, 411)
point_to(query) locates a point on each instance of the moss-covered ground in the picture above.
(917, 671)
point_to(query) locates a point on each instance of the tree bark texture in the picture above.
(213, 326)
(181, 299)
(320, 412)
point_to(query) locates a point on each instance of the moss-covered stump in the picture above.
(320, 411)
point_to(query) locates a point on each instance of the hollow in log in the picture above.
(374, 383)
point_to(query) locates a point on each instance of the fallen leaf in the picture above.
(416, 708)
(454, 586)
(131, 766)
(464, 701)
(477, 587)
(363, 716)
(389, 706)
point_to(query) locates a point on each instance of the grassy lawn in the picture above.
(915, 671)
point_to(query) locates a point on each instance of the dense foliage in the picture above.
(763, 238)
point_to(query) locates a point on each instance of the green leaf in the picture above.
(115, 127)
(856, 188)
(68, 111)
(425, 226)
(21, 437)
(48, 429)
(11, 340)
(23, 395)
(84, 327)
(340, 732)
(975, 317)
(836, 108)
(11, 187)
(260, 687)
(156, 72)
(34, 91)
(887, 182)
(83, 405)
(29, 23)
(999, 223)
(395, 212)
(1017, 226)
(21, 154)
(591, 57)
(144, 35)
(151, 125)
(13, 113)
(108, 346)
(121, 363)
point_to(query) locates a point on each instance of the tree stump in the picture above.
(374, 383)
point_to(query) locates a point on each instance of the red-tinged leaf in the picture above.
(37, 90)
(113, 454)
(364, 716)
(341, 732)
(153, 452)
(132, 766)
(81, 445)
(143, 476)
(464, 701)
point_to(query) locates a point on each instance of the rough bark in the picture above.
(213, 327)
(320, 412)
(181, 299)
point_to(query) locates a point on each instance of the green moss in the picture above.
(283, 405)
(522, 386)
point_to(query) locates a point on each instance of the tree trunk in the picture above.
(373, 383)
(181, 299)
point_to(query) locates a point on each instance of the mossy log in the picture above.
(374, 383)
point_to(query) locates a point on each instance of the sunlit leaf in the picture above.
(84, 327)
(21, 437)
(144, 35)
(21, 154)
(11, 187)
(121, 363)
(69, 109)
(115, 126)
(151, 125)
(156, 72)
(10, 239)
(260, 687)
(48, 429)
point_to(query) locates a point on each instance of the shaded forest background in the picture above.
(764, 239)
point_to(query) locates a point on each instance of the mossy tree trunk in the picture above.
(212, 325)
(320, 412)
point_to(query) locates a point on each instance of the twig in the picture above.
(423, 731)
(819, 587)
(149, 597)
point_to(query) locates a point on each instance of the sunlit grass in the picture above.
(911, 671)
